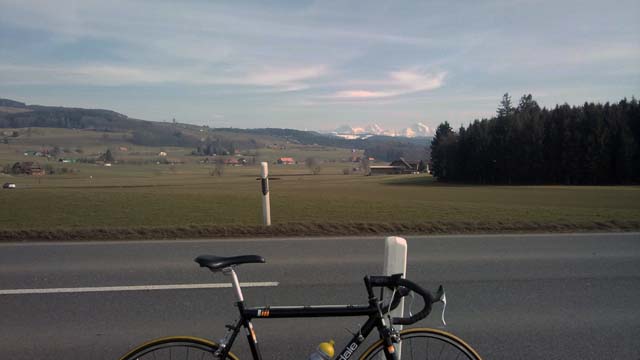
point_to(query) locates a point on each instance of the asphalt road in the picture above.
(511, 297)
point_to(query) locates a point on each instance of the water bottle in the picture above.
(323, 352)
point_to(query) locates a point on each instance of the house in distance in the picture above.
(396, 167)
(28, 168)
(286, 161)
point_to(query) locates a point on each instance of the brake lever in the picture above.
(391, 301)
(441, 296)
(413, 297)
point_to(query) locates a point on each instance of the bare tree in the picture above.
(218, 170)
(365, 165)
(314, 165)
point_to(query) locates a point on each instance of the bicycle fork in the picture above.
(390, 337)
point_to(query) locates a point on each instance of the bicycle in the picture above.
(421, 341)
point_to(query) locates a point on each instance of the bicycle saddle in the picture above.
(219, 262)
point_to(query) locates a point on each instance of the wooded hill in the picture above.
(202, 139)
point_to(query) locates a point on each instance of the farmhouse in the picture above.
(28, 168)
(400, 166)
(408, 167)
(286, 161)
(385, 170)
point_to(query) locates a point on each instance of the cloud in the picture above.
(288, 78)
(360, 94)
(94, 74)
(397, 83)
(280, 79)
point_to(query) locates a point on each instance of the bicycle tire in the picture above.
(175, 348)
(420, 343)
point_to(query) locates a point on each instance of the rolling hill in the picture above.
(17, 115)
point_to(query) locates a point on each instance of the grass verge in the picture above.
(311, 229)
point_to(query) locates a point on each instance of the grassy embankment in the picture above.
(184, 201)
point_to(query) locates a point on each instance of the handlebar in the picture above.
(403, 287)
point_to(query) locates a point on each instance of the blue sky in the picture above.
(316, 64)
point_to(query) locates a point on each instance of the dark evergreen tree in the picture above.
(108, 156)
(442, 147)
(590, 144)
(422, 167)
(505, 108)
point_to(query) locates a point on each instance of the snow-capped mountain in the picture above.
(344, 129)
(348, 132)
(374, 129)
(420, 130)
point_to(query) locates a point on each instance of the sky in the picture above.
(316, 65)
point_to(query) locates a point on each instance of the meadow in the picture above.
(184, 199)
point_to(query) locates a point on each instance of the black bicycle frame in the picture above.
(376, 320)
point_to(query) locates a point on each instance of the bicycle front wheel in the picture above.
(424, 343)
(176, 348)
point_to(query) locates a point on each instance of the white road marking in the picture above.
(132, 288)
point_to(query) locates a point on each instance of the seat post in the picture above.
(236, 284)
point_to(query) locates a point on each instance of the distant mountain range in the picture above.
(14, 114)
(415, 130)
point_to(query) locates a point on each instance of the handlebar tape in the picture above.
(396, 281)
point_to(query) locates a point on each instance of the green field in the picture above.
(132, 197)
(185, 200)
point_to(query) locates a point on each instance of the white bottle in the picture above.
(323, 352)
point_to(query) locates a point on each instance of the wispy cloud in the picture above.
(397, 83)
(280, 79)
(286, 78)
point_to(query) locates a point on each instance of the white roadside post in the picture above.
(395, 262)
(266, 206)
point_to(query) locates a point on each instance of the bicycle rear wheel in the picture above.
(176, 348)
(424, 343)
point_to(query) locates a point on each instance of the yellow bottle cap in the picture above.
(327, 347)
